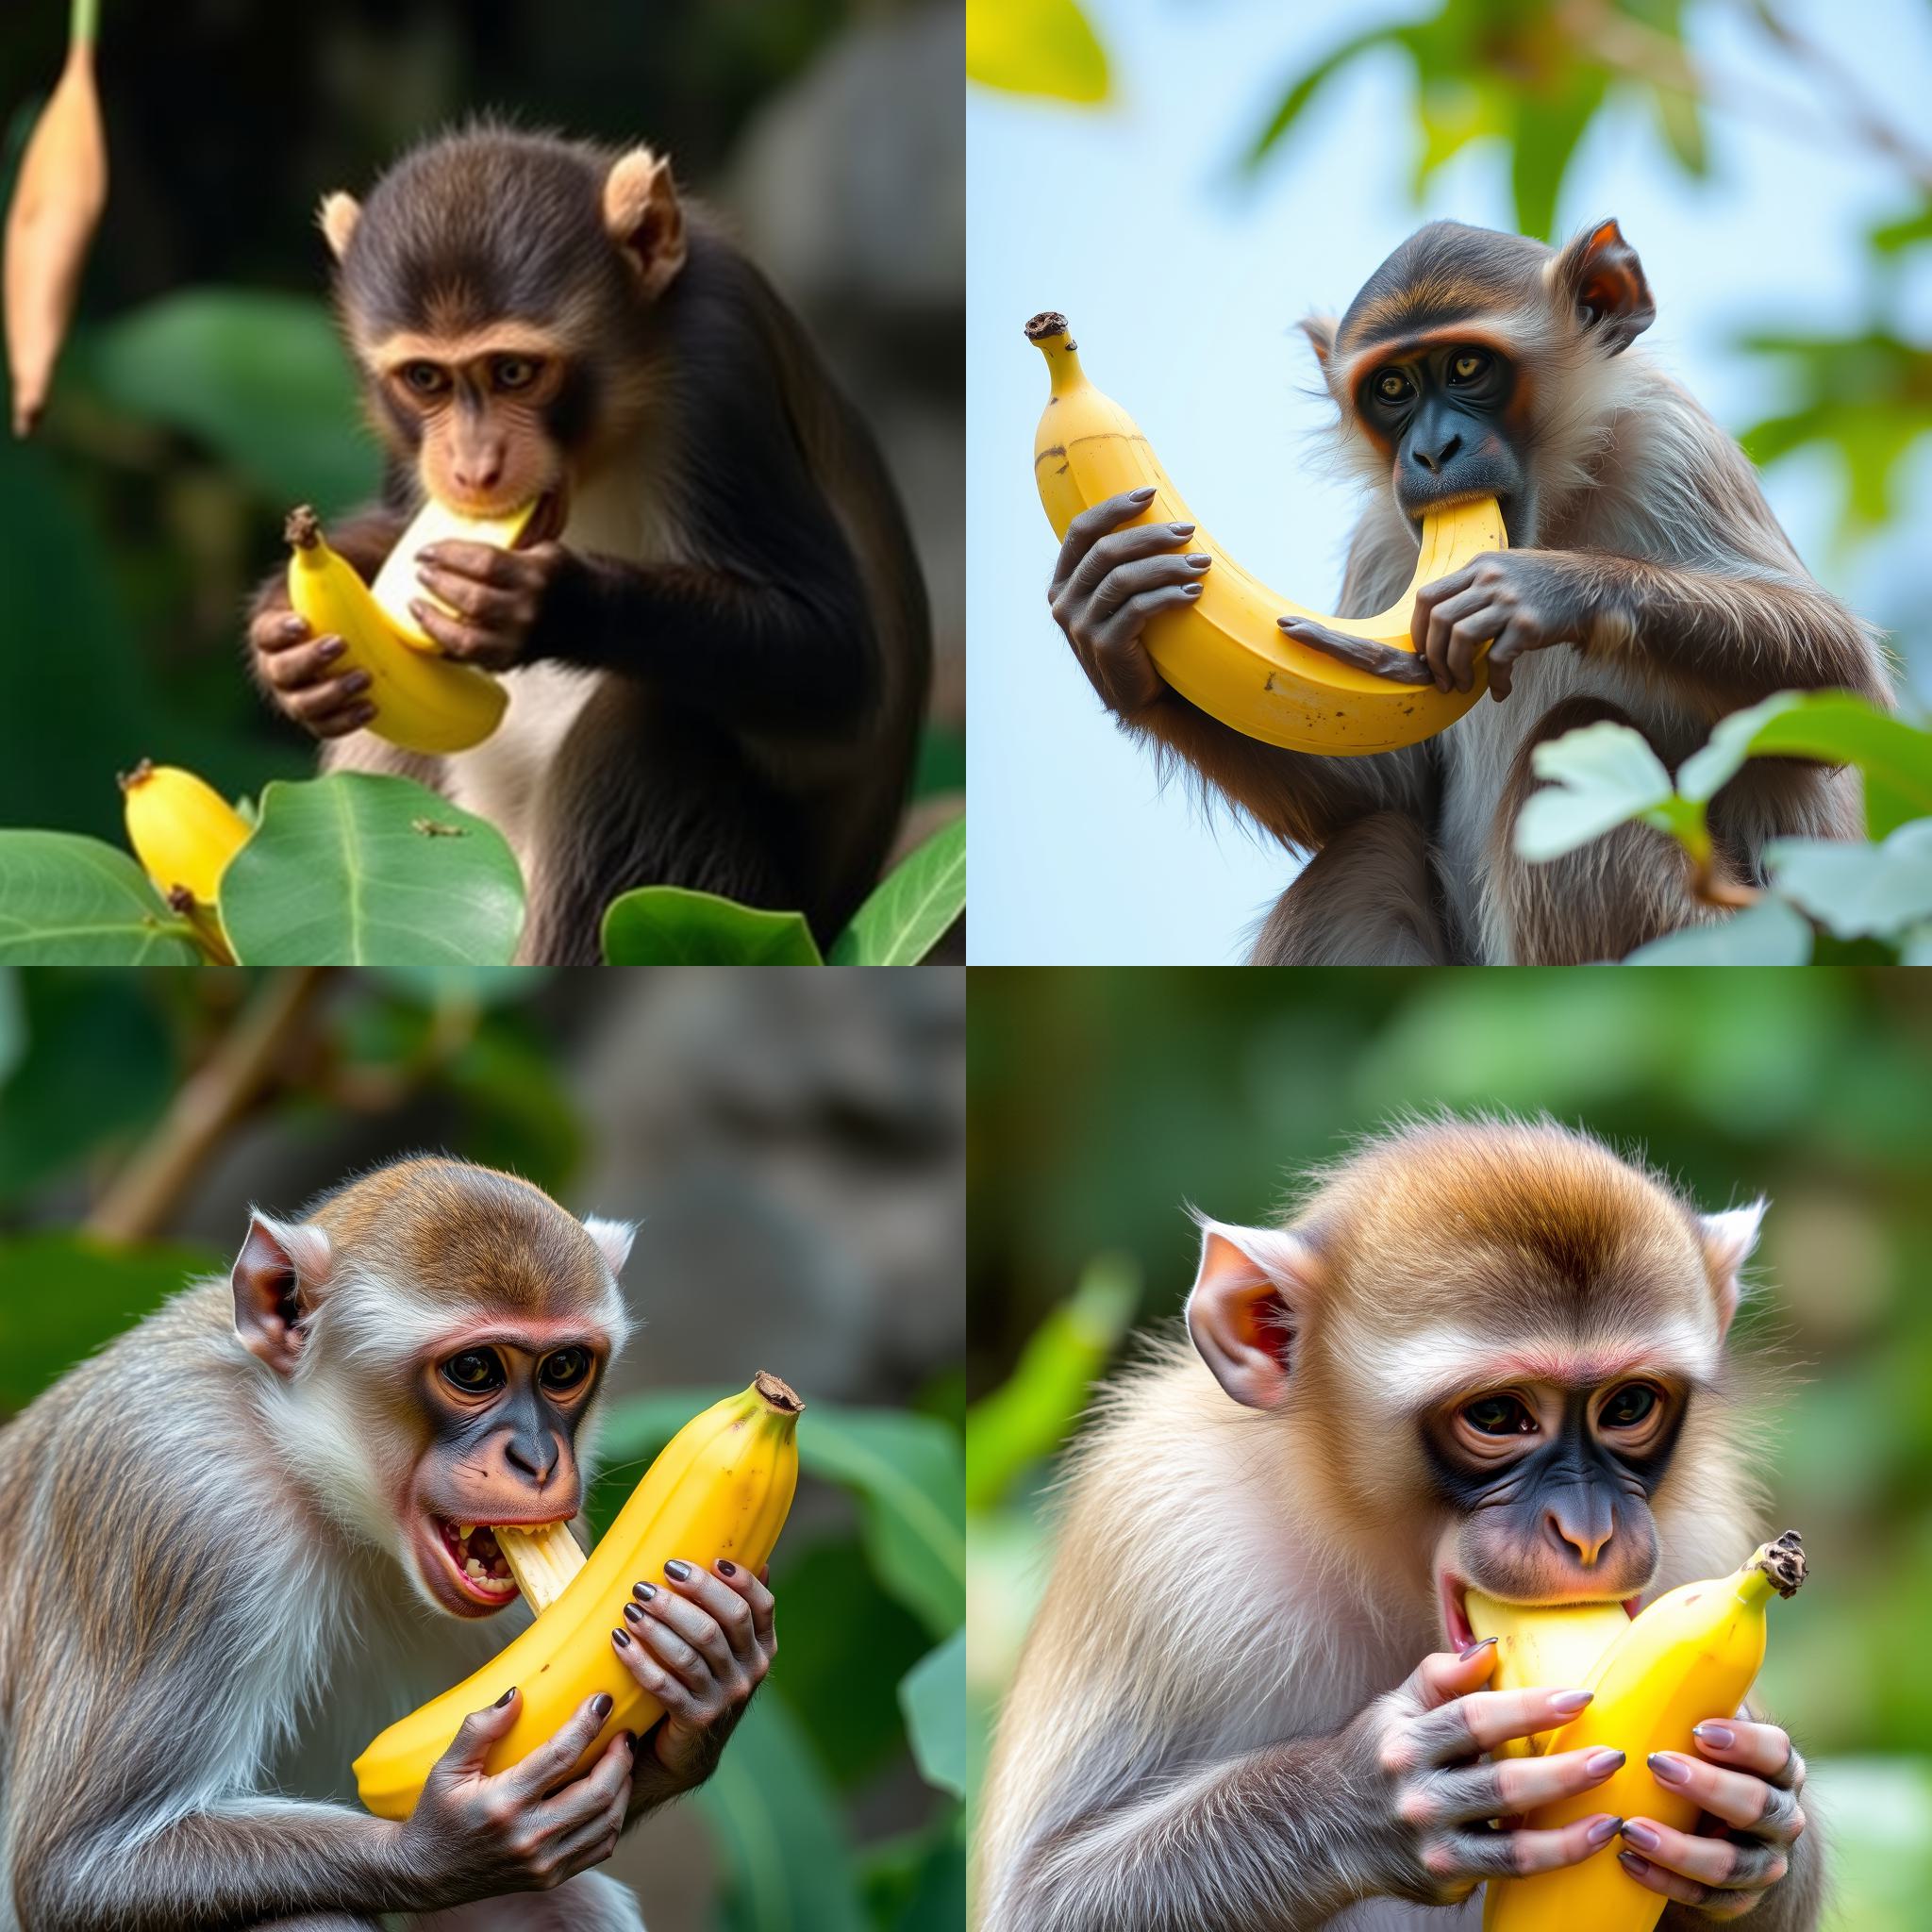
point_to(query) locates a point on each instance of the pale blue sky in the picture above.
(1182, 283)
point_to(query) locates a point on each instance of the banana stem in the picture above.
(1047, 332)
(84, 21)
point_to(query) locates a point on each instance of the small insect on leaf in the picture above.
(435, 828)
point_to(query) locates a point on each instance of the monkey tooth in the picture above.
(722, 1487)
(1225, 651)
(396, 582)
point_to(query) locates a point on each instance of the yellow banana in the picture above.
(543, 1559)
(722, 1487)
(1693, 1655)
(395, 582)
(422, 702)
(1543, 1646)
(183, 831)
(1224, 652)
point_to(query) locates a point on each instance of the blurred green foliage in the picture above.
(1103, 1102)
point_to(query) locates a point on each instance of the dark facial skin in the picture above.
(1440, 412)
(1554, 1485)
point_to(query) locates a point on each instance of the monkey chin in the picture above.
(465, 1575)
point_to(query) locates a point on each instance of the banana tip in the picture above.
(139, 775)
(1783, 1561)
(778, 1394)
(302, 527)
(1049, 322)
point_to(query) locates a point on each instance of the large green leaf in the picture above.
(672, 925)
(1549, 124)
(1859, 892)
(788, 1868)
(354, 869)
(911, 908)
(1605, 773)
(1034, 47)
(70, 901)
(933, 1696)
(260, 378)
(1766, 934)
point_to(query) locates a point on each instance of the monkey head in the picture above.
(1491, 1344)
(432, 1336)
(496, 292)
(1472, 363)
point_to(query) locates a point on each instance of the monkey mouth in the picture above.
(1452, 1590)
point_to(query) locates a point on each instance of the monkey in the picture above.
(241, 1544)
(718, 670)
(1485, 1354)
(1474, 363)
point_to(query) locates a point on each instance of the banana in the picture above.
(1693, 1655)
(722, 1487)
(422, 703)
(543, 1559)
(395, 582)
(1543, 1646)
(183, 831)
(1224, 652)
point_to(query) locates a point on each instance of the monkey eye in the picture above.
(1634, 1403)
(1392, 386)
(565, 1369)
(514, 372)
(1467, 366)
(425, 378)
(1498, 1415)
(474, 1372)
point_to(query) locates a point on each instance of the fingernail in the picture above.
(423, 573)
(1182, 529)
(644, 1592)
(676, 1572)
(1631, 1863)
(1190, 589)
(430, 554)
(600, 1705)
(1571, 1701)
(1145, 494)
(633, 1613)
(1463, 1655)
(506, 1697)
(622, 1639)
(1642, 1836)
(1199, 559)
(417, 607)
(363, 714)
(293, 626)
(1602, 1832)
(1601, 1764)
(1719, 1737)
(357, 680)
(725, 1569)
(1671, 1769)
(332, 647)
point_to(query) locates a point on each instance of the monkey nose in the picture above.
(1434, 460)
(1584, 1526)
(479, 473)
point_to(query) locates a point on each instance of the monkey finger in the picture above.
(1448, 1674)
(1517, 1854)
(1765, 1749)
(1110, 553)
(1381, 660)
(467, 642)
(469, 598)
(315, 700)
(1435, 635)
(1089, 526)
(667, 1652)
(1126, 581)
(1485, 1719)
(1122, 671)
(758, 1596)
(1512, 1786)
(1686, 1892)
(1467, 638)
(303, 667)
(340, 723)
(1735, 1798)
(277, 630)
(1729, 1864)
(482, 563)
(580, 1799)
(728, 1614)
(696, 1655)
(554, 1762)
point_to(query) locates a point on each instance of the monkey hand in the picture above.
(294, 668)
(1416, 1751)
(501, 598)
(529, 1829)
(1752, 1814)
(700, 1647)
(1107, 583)
(1519, 600)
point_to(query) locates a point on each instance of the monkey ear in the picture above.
(337, 218)
(1250, 1293)
(1320, 330)
(644, 216)
(1729, 1241)
(281, 1268)
(1601, 281)
(613, 1238)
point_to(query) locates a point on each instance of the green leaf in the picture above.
(1859, 892)
(70, 901)
(260, 378)
(1548, 127)
(1034, 47)
(354, 870)
(933, 1696)
(911, 908)
(788, 1868)
(1302, 91)
(672, 925)
(1907, 231)
(1767, 934)
(1605, 775)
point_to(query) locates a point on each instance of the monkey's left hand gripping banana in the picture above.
(1226, 653)
(722, 1487)
(1693, 1655)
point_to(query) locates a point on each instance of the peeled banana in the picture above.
(722, 1487)
(1693, 1655)
(183, 831)
(1226, 653)
(422, 702)
(1543, 1646)
(397, 583)
(543, 1559)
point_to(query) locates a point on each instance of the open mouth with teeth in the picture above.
(476, 1562)
(1452, 1590)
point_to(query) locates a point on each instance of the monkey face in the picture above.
(1551, 1485)
(501, 1410)
(1440, 410)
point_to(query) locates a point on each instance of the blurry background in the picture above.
(1185, 181)
(792, 1144)
(1102, 1102)
(203, 392)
